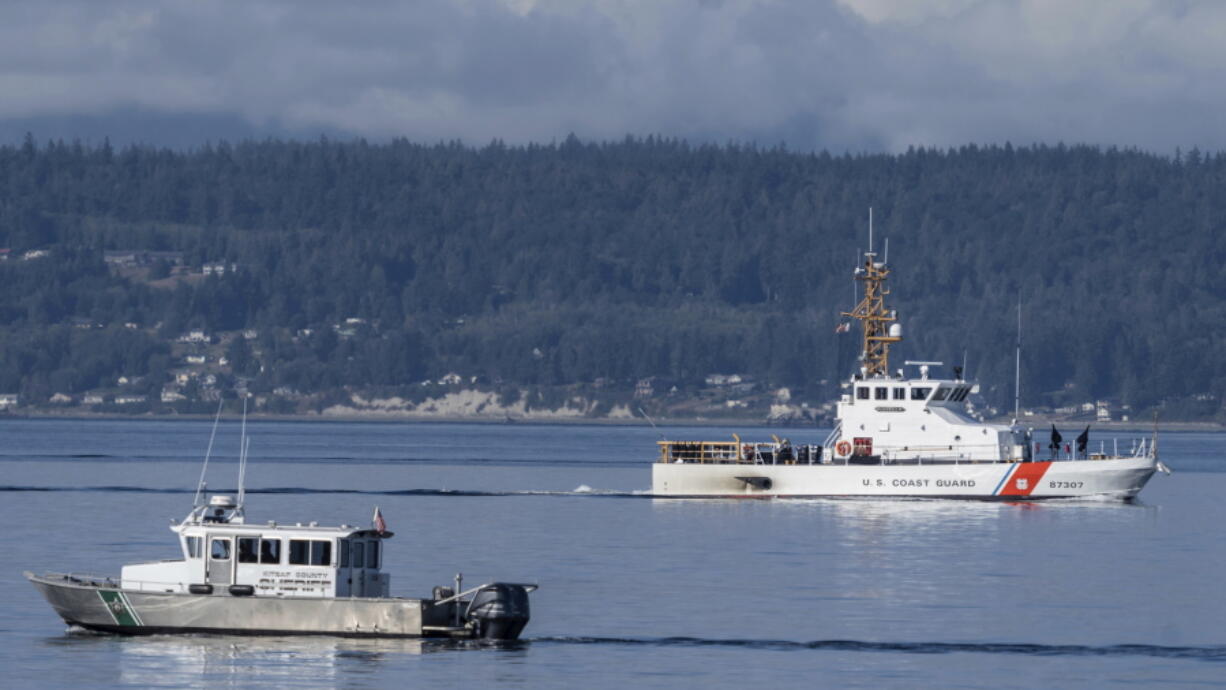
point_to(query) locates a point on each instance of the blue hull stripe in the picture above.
(1004, 479)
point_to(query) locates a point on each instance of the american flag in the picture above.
(380, 524)
(842, 328)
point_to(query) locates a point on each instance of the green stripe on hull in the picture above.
(119, 607)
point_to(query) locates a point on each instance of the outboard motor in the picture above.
(499, 611)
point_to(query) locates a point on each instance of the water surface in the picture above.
(634, 590)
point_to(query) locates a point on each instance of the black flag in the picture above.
(1056, 438)
(1083, 439)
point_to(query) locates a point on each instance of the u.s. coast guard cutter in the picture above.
(240, 577)
(902, 435)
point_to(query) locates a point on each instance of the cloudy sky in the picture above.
(858, 75)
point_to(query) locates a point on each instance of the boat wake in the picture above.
(1212, 653)
(582, 490)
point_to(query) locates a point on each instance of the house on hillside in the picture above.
(218, 268)
(8, 400)
(132, 258)
(645, 388)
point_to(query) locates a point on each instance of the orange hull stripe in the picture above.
(1031, 472)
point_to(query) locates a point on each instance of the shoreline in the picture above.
(550, 420)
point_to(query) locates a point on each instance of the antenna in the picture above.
(207, 453)
(1017, 365)
(964, 365)
(242, 473)
(242, 455)
(653, 424)
(886, 261)
(870, 229)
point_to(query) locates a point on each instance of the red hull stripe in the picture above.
(1025, 479)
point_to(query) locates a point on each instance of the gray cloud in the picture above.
(837, 74)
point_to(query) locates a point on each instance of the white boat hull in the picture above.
(1120, 478)
(104, 606)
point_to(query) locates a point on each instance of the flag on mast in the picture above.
(1083, 440)
(842, 328)
(380, 524)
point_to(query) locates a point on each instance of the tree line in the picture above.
(572, 262)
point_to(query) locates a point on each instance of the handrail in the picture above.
(478, 588)
(92, 580)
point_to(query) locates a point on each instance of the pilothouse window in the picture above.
(940, 394)
(920, 393)
(305, 552)
(321, 553)
(270, 550)
(359, 553)
(862, 392)
(343, 546)
(882, 393)
(220, 549)
(247, 550)
(372, 555)
(299, 552)
(194, 545)
(900, 393)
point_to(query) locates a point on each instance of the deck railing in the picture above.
(741, 453)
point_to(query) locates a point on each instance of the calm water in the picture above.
(634, 591)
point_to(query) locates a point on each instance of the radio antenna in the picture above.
(1017, 365)
(870, 229)
(205, 468)
(653, 424)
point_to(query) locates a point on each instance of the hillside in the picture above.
(547, 273)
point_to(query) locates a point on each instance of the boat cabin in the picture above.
(920, 419)
(223, 553)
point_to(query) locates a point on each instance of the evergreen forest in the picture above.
(355, 266)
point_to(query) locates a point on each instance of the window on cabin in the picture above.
(321, 553)
(862, 392)
(882, 393)
(372, 555)
(920, 393)
(359, 553)
(343, 546)
(270, 550)
(194, 547)
(299, 552)
(959, 394)
(220, 549)
(900, 393)
(940, 394)
(248, 548)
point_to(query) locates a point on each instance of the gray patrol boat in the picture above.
(270, 579)
(237, 577)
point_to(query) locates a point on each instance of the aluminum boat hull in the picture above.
(97, 605)
(1120, 478)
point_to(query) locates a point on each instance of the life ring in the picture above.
(842, 448)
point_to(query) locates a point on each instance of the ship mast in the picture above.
(874, 318)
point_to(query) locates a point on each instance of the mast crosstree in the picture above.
(875, 320)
